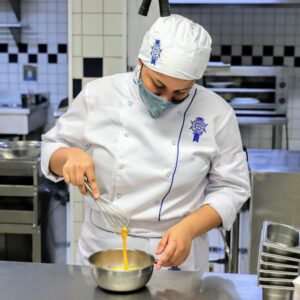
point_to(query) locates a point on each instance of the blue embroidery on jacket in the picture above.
(198, 128)
(155, 53)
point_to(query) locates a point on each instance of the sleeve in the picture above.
(228, 179)
(69, 131)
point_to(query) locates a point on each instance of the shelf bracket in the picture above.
(16, 31)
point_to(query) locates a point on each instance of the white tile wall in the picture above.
(98, 33)
(92, 46)
(92, 6)
(113, 24)
(92, 24)
(45, 23)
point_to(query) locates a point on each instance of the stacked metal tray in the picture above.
(278, 260)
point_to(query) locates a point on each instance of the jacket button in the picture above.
(179, 113)
(126, 134)
(169, 174)
(118, 196)
(121, 166)
(174, 143)
(130, 103)
(157, 202)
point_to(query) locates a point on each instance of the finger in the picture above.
(167, 256)
(66, 176)
(79, 176)
(72, 178)
(176, 259)
(162, 244)
(90, 174)
(179, 257)
(82, 189)
(79, 181)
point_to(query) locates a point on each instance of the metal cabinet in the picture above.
(19, 211)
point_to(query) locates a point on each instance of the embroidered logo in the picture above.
(198, 128)
(155, 52)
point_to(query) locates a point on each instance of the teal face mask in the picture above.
(154, 104)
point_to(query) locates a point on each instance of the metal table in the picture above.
(35, 281)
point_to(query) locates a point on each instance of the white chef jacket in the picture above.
(157, 170)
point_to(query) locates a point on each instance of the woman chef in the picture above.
(162, 148)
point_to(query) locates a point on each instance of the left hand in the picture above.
(174, 246)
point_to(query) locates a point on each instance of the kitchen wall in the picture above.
(98, 48)
(43, 44)
(256, 35)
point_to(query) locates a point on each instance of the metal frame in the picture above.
(22, 221)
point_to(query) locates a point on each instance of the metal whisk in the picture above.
(113, 216)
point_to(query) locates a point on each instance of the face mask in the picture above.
(154, 104)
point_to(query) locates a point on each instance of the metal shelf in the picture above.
(15, 28)
(242, 90)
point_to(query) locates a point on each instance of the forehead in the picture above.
(170, 81)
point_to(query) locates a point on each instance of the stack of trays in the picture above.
(279, 260)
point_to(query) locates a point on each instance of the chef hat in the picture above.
(177, 47)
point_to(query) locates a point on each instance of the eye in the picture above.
(158, 86)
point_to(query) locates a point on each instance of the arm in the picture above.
(176, 242)
(63, 154)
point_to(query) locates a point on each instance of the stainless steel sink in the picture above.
(20, 149)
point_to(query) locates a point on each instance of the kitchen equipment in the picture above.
(278, 284)
(20, 149)
(22, 117)
(244, 101)
(221, 84)
(102, 262)
(277, 267)
(113, 216)
(275, 189)
(267, 85)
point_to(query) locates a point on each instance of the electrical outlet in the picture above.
(30, 73)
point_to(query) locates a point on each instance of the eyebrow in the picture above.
(163, 85)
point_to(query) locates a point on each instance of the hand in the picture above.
(175, 246)
(78, 165)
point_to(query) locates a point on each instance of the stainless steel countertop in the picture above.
(22, 110)
(274, 161)
(33, 281)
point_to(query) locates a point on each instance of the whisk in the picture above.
(113, 216)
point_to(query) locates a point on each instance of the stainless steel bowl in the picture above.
(103, 262)
(283, 235)
(20, 149)
(277, 294)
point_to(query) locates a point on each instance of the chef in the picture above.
(161, 147)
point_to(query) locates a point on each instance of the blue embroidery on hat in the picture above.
(155, 53)
(198, 127)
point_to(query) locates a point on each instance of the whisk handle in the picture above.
(87, 186)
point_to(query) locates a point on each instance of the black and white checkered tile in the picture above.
(7, 55)
(247, 55)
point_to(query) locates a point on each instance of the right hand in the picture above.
(77, 166)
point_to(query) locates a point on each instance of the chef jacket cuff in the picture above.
(223, 205)
(47, 150)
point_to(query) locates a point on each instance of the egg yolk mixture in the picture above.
(124, 233)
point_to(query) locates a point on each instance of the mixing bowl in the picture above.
(103, 264)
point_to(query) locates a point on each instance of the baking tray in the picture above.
(280, 239)
(277, 274)
(271, 266)
(275, 258)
